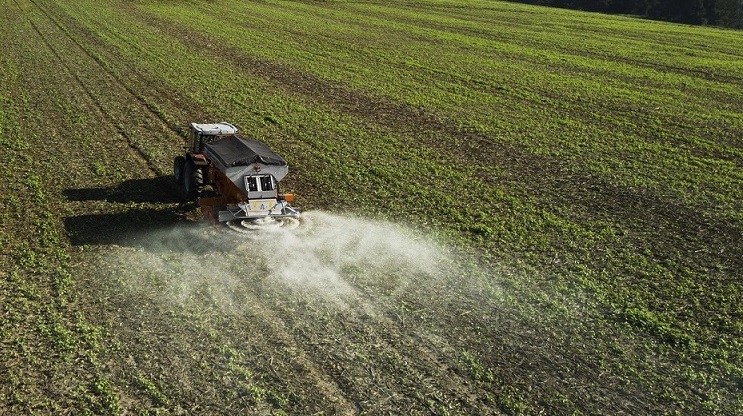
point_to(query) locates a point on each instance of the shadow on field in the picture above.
(157, 190)
(122, 228)
(122, 224)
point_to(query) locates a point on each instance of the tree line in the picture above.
(725, 13)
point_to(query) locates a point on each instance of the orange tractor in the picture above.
(235, 179)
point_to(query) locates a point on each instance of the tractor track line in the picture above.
(280, 331)
(143, 102)
(420, 352)
(101, 108)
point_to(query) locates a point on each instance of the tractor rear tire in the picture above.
(179, 164)
(193, 180)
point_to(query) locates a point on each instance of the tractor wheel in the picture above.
(193, 180)
(178, 165)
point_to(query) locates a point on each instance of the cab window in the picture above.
(266, 183)
(252, 183)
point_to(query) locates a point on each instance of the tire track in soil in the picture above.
(73, 83)
(137, 153)
(403, 364)
(424, 364)
(140, 154)
(379, 382)
(272, 353)
(370, 385)
(178, 100)
(47, 377)
(418, 371)
(253, 326)
(415, 122)
(312, 373)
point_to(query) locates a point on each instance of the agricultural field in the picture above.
(508, 209)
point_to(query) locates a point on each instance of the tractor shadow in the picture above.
(123, 223)
(157, 190)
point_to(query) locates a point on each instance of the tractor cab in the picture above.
(202, 134)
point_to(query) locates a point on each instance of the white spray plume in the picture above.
(328, 256)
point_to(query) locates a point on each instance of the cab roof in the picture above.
(215, 129)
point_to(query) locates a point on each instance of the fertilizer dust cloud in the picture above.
(330, 259)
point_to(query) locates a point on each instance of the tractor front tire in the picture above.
(179, 164)
(193, 180)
